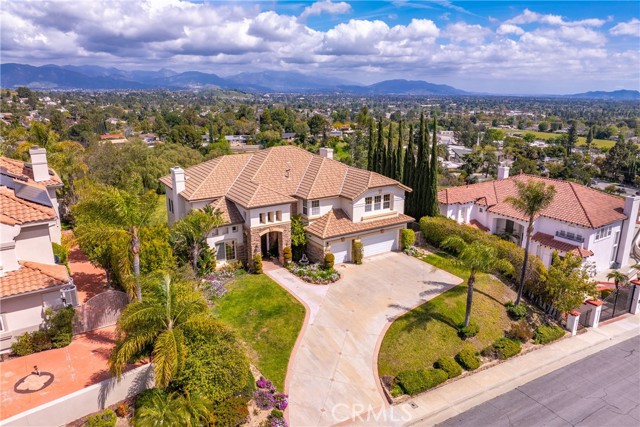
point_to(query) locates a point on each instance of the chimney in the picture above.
(39, 164)
(631, 209)
(503, 172)
(326, 152)
(177, 180)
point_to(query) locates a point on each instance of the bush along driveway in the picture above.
(408, 366)
(333, 373)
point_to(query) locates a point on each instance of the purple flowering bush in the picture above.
(281, 401)
(264, 399)
(266, 384)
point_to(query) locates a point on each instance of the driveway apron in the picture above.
(332, 373)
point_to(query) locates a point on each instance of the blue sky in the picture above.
(531, 47)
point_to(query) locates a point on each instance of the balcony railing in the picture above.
(570, 236)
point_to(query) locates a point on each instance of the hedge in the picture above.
(545, 334)
(505, 348)
(103, 419)
(448, 365)
(468, 359)
(414, 382)
(357, 251)
(407, 238)
(436, 229)
(329, 259)
(516, 312)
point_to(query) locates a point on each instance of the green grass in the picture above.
(600, 143)
(418, 338)
(267, 318)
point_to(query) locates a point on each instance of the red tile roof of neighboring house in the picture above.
(477, 224)
(112, 136)
(32, 276)
(548, 241)
(573, 203)
(337, 223)
(275, 176)
(14, 210)
(228, 211)
(23, 170)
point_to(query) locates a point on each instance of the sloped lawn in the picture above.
(419, 337)
(267, 318)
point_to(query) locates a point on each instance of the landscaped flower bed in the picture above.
(267, 399)
(314, 273)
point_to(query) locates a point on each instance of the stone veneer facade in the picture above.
(315, 252)
(253, 235)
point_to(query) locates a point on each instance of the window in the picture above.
(603, 232)
(278, 215)
(2, 329)
(368, 206)
(214, 232)
(305, 210)
(262, 221)
(376, 203)
(234, 228)
(170, 205)
(315, 207)
(226, 251)
(386, 201)
(270, 217)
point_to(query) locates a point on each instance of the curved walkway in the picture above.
(332, 373)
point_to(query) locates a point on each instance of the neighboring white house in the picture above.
(30, 280)
(592, 224)
(258, 194)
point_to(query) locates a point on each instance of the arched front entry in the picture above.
(271, 244)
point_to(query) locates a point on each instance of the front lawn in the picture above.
(418, 338)
(267, 318)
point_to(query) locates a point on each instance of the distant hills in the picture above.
(89, 77)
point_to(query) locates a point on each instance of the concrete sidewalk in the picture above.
(444, 402)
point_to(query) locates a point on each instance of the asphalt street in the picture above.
(601, 390)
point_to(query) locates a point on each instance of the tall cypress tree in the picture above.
(391, 155)
(371, 150)
(398, 161)
(431, 207)
(421, 171)
(379, 151)
(408, 173)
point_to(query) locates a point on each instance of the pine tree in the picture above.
(371, 150)
(211, 140)
(589, 139)
(572, 138)
(431, 207)
(398, 161)
(408, 173)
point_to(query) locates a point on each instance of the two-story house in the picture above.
(30, 280)
(258, 193)
(592, 224)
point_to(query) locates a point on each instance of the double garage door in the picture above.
(373, 244)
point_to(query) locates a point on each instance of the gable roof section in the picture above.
(228, 211)
(15, 210)
(573, 203)
(32, 276)
(549, 241)
(23, 170)
(337, 223)
(274, 175)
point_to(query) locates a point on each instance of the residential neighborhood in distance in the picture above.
(319, 213)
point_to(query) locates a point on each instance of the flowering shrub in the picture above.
(314, 273)
(282, 401)
(265, 384)
(264, 399)
(275, 419)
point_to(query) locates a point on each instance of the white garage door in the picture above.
(340, 251)
(380, 243)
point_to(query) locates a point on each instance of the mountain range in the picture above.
(88, 77)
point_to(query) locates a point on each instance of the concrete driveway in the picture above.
(332, 374)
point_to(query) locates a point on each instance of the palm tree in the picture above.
(191, 231)
(619, 279)
(113, 210)
(478, 258)
(158, 322)
(533, 197)
(174, 409)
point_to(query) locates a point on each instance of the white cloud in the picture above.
(326, 6)
(463, 32)
(529, 17)
(505, 29)
(631, 28)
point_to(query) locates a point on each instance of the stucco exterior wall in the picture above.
(397, 202)
(34, 244)
(254, 215)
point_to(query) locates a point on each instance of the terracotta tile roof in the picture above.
(23, 170)
(337, 223)
(32, 276)
(228, 210)
(275, 175)
(20, 211)
(548, 241)
(573, 203)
